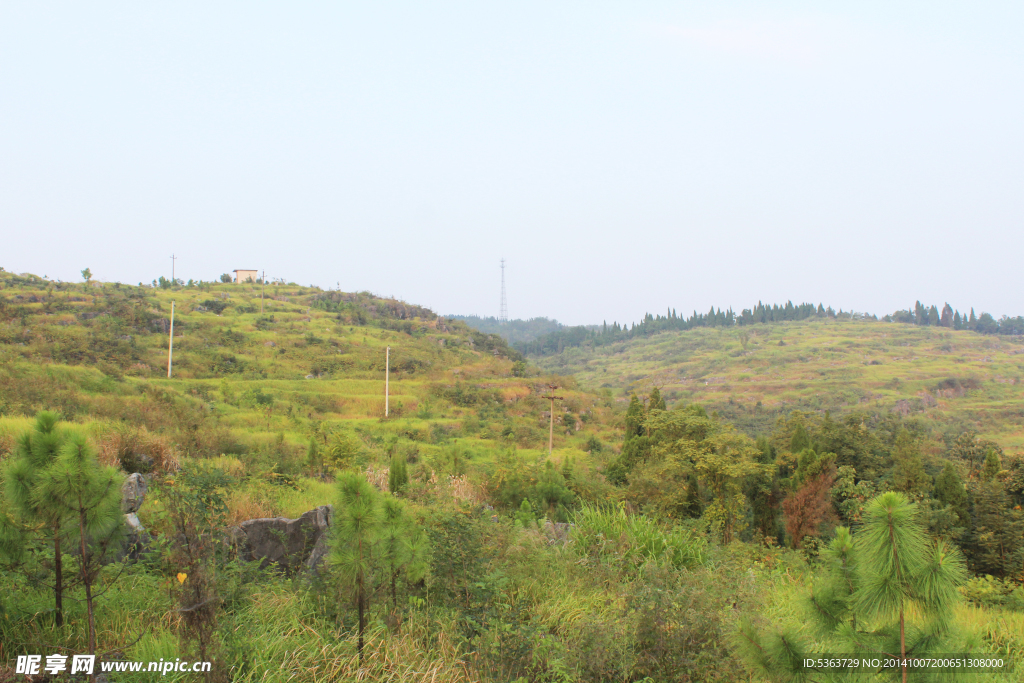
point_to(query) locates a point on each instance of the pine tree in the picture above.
(90, 497)
(398, 476)
(314, 461)
(34, 452)
(393, 543)
(568, 469)
(357, 531)
(524, 516)
(878, 581)
(901, 570)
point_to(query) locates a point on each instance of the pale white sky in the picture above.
(623, 156)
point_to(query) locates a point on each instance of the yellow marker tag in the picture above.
(181, 577)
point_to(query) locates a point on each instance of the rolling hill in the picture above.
(951, 379)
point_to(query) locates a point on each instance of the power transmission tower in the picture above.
(503, 314)
(173, 259)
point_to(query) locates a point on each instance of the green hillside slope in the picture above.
(956, 379)
(311, 362)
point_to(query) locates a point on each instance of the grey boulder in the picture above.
(133, 493)
(288, 543)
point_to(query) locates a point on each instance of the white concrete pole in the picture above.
(170, 344)
(387, 378)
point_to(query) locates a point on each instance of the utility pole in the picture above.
(387, 378)
(173, 259)
(170, 344)
(263, 290)
(551, 427)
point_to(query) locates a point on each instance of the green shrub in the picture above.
(987, 591)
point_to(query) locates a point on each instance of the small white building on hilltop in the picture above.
(245, 275)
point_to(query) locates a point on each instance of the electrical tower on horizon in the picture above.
(503, 314)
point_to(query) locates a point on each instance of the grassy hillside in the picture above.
(246, 382)
(953, 380)
(267, 410)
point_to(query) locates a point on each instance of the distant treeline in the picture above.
(600, 335)
(986, 324)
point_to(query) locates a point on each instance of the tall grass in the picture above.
(289, 642)
(604, 531)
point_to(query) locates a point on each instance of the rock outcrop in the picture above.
(287, 543)
(133, 493)
(137, 539)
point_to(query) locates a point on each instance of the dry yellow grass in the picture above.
(250, 503)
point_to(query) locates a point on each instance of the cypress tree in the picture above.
(634, 418)
(656, 402)
(800, 440)
(951, 492)
(972, 322)
(991, 467)
(947, 316)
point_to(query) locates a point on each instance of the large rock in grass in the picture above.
(133, 493)
(287, 543)
(136, 541)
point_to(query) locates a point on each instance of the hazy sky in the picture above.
(623, 156)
